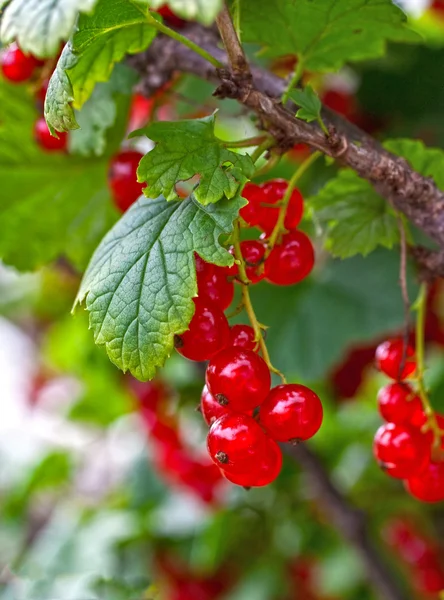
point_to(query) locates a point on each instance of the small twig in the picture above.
(404, 292)
(236, 56)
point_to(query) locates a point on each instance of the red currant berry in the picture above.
(291, 261)
(398, 403)
(212, 282)
(239, 378)
(171, 18)
(428, 486)
(265, 471)
(253, 252)
(341, 102)
(389, 357)
(210, 408)
(401, 451)
(242, 336)
(236, 443)
(46, 141)
(207, 334)
(251, 212)
(274, 192)
(17, 66)
(291, 412)
(122, 179)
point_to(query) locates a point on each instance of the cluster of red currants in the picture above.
(246, 418)
(18, 67)
(403, 446)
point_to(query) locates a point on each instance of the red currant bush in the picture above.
(389, 357)
(238, 378)
(265, 470)
(236, 443)
(210, 408)
(212, 282)
(398, 403)
(208, 332)
(46, 141)
(291, 412)
(291, 260)
(16, 66)
(242, 336)
(401, 451)
(428, 485)
(122, 178)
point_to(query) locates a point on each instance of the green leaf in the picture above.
(60, 204)
(188, 148)
(309, 102)
(40, 25)
(325, 34)
(351, 301)
(427, 161)
(116, 28)
(357, 219)
(141, 280)
(204, 11)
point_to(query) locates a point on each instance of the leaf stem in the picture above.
(279, 227)
(183, 40)
(246, 300)
(267, 143)
(323, 126)
(247, 142)
(432, 422)
(295, 78)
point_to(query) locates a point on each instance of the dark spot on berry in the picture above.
(223, 400)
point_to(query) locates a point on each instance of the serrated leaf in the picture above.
(204, 11)
(325, 33)
(141, 280)
(187, 148)
(40, 25)
(357, 219)
(60, 204)
(427, 161)
(116, 28)
(309, 102)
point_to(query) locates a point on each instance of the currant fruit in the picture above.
(291, 260)
(122, 178)
(236, 443)
(239, 378)
(242, 336)
(341, 102)
(170, 17)
(291, 412)
(17, 66)
(251, 212)
(398, 403)
(265, 471)
(253, 252)
(46, 141)
(389, 357)
(401, 451)
(208, 332)
(273, 192)
(428, 486)
(212, 282)
(210, 408)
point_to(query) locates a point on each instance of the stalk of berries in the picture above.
(245, 416)
(410, 446)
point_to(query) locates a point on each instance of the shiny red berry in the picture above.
(398, 403)
(253, 252)
(212, 282)
(207, 334)
(122, 178)
(389, 357)
(273, 193)
(242, 336)
(291, 260)
(238, 378)
(291, 412)
(210, 408)
(236, 443)
(251, 212)
(265, 470)
(17, 66)
(46, 141)
(401, 451)
(428, 486)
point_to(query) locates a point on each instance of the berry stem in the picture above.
(246, 301)
(295, 78)
(183, 40)
(267, 143)
(279, 227)
(420, 306)
(247, 142)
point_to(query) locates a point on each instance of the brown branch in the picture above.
(350, 522)
(233, 47)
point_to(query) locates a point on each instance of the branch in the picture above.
(417, 197)
(235, 52)
(350, 522)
